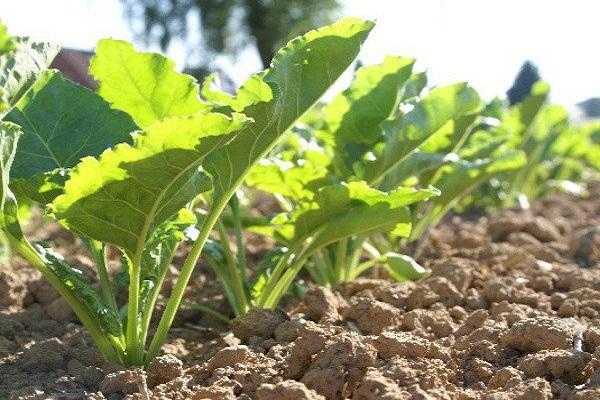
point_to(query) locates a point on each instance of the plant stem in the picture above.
(360, 268)
(239, 236)
(341, 252)
(179, 289)
(282, 285)
(151, 301)
(233, 270)
(134, 352)
(98, 253)
(274, 278)
(208, 310)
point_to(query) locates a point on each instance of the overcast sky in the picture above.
(480, 41)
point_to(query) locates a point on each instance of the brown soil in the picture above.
(511, 311)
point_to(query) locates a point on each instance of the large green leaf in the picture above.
(122, 196)
(20, 68)
(287, 179)
(62, 123)
(407, 132)
(145, 85)
(354, 115)
(347, 209)
(299, 75)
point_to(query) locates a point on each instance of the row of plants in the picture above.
(151, 160)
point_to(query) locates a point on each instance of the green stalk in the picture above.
(360, 268)
(97, 249)
(319, 271)
(274, 278)
(239, 236)
(341, 253)
(282, 285)
(89, 321)
(232, 270)
(134, 351)
(151, 301)
(225, 283)
(354, 259)
(179, 289)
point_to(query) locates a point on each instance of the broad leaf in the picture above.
(144, 85)
(347, 209)
(122, 196)
(20, 68)
(62, 123)
(287, 179)
(299, 75)
(407, 132)
(354, 115)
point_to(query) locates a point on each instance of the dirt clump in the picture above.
(541, 333)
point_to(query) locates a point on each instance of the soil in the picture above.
(511, 311)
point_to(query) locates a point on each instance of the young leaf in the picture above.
(404, 268)
(144, 85)
(347, 209)
(299, 75)
(63, 122)
(406, 133)
(150, 180)
(20, 68)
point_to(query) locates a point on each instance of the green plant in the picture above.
(134, 192)
(385, 131)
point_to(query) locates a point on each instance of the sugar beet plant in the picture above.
(559, 154)
(135, 191)
(387, 131)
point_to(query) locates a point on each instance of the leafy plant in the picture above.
(134, 192)
(382, 130)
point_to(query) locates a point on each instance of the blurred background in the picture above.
(500, 46)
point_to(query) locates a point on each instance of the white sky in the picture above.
(480, 41)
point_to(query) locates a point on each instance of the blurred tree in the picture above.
(226, 26)
(526, 77)
(590, 107)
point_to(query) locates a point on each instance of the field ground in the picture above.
(511, 311)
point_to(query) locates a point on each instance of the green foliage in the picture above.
(150, 180)
(146, 164)
(144, 85)
(63, 122)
